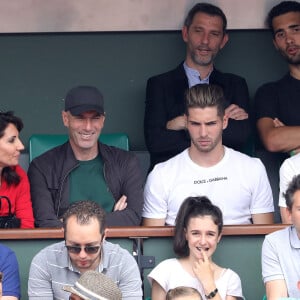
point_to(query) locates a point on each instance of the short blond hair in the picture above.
(182, 291)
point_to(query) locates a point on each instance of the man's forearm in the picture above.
(285, 139)
(278, 138)
(266, 218)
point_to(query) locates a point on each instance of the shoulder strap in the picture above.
(8, 202)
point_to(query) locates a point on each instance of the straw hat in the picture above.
(93, 285)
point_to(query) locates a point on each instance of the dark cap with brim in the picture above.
(81, 99)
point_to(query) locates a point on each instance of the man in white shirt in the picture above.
(235, 182)
(281, 251)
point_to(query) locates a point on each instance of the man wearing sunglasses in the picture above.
(84, 248)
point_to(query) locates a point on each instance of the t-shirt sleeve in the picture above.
(160, 274)
(155, 196)
(234, 285)
(286, 174)
(271, 269)
(130, 282)
(262, 198)
(11, 278)
(264, 102)
(39, 282)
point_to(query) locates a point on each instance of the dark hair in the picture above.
(84, 211)
(8, 173)
(293, 187)
(205, 95)
(190, 208)
(208, 9)
(180, 291)
(280, 9)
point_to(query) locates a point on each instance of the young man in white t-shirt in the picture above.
(235, 182)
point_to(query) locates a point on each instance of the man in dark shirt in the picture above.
(204, 33)
(83, 168)
(277, 103)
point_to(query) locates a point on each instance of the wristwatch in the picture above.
(212, 294)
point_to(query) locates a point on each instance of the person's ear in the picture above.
(186, 120)
(104, 234)
(219, 238)
(185, 234)
(184, 33)
(225, 40)
(289, 214)
(64, 232)
(103, 119)
(65, 118)
(275, 44)
(225, 122)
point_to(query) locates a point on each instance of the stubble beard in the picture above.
(202, 149)
(211, 147)
(292, 60)
(202, 62)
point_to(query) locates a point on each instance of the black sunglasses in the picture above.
(87, 249)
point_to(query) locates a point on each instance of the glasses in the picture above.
(87, 249)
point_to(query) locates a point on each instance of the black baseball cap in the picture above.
(84, 98)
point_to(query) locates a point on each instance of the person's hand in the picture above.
(203, 270)
(235, 112)
(277, 123)
(177, 123)
(121, 204)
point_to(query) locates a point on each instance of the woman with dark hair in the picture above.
(198, 230)
(14, 182)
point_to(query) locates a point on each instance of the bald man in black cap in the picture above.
(85, 169)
